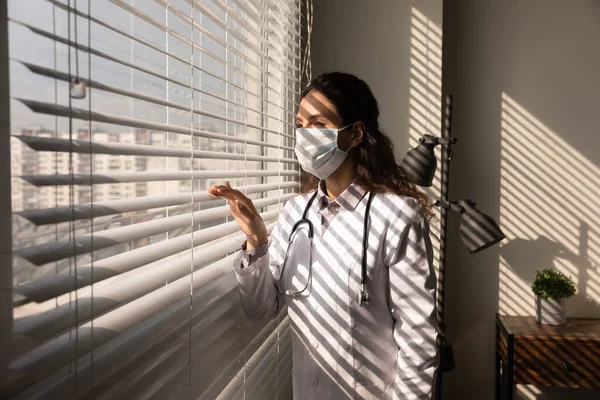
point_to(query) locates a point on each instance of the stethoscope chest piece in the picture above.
(363, 296)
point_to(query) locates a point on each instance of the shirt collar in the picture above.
(347, 200)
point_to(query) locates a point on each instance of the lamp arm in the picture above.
(452, 205)
(436, 140)
(447, 140)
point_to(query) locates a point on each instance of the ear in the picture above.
(358, 135)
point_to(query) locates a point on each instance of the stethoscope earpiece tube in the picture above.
(304, 220)
(363, 296)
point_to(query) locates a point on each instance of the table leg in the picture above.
(510, 368)
(498, 365)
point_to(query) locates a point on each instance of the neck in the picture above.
(340, 179)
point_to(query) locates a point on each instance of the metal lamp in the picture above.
(420, 163)
(478, 231)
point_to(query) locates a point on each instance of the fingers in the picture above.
(227, 192)
(224, 191)
(239, 203)
(214, 190)
(217, 191)
(227, 196)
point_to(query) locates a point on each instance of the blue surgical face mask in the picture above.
(318, 152)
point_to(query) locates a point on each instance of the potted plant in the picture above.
(551, 288)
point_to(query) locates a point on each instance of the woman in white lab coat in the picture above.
(363, 322)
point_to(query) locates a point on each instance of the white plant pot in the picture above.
(551, 312)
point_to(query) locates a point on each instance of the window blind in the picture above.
(123, 113)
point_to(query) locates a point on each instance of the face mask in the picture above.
(318, 152)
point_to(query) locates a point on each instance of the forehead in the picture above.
(315, 103)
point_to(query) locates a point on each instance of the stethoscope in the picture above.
(363, 296)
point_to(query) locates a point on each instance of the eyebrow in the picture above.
(311, 117)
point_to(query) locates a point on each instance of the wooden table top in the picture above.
(574, 329)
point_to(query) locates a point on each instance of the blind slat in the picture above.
(285, 34)
(276, 19)
(213, 364)
(169, 31)
(263, 383)
(137, 67)
(183, 39)
(63, 248)
(218, 344)
(183, 16)
(149, 176)
(89, 147)
(86, 115)
(284, 389)
(273, 345)
(47, 358)
(135, 324)
(248, 369)
(79, 211)
(256, 34)
(60, 351)
(47, 288)
(207, 12)
(51, 73)
(119, 291)
(168, 325)
(258, 18)
(165, 380)
(232, 372)
(161, 353)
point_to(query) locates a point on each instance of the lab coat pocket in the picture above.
(370, 392)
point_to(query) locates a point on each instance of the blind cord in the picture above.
(245, 356)
(76, 44)
(56, 230)
(190, 323)
(91, 166)
(307, 61)
(73, 366)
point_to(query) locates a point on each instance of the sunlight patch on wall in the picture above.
(550, 198)
(425, 100)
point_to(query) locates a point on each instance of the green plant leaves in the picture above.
(552, 284)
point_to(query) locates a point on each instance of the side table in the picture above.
(566, 356)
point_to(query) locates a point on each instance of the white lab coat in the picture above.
(383, 350)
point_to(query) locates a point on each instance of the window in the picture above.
(123, 112)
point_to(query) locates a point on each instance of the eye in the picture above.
(319, 124)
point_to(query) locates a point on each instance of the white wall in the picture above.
(525, 75)
(372, 39)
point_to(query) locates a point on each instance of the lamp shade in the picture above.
(478, 231)
(420, 163)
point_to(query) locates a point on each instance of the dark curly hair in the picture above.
(374, 157)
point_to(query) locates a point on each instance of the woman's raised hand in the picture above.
(245, 214)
